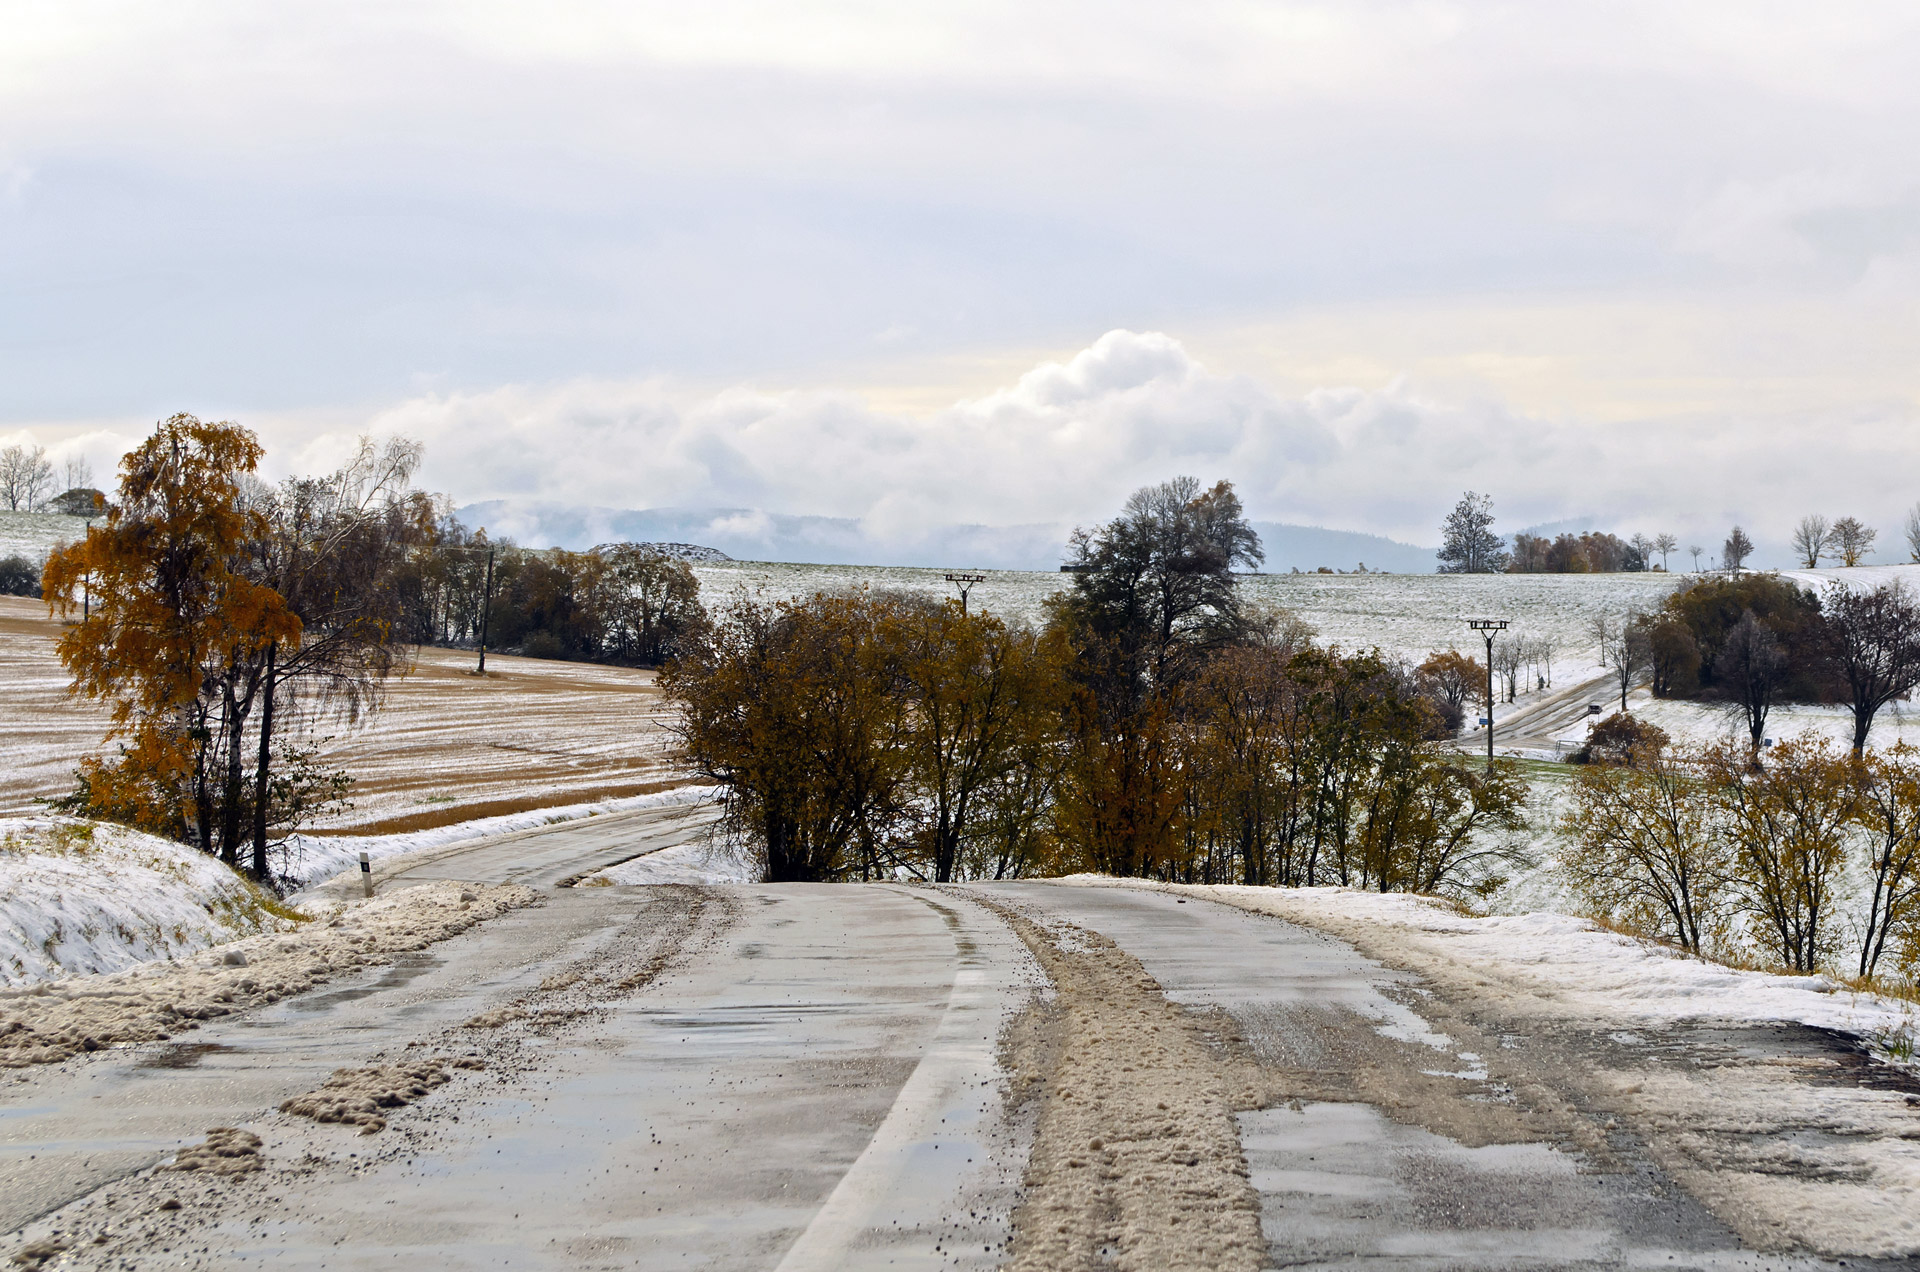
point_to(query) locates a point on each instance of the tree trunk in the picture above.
(261, 772)
(235, 724)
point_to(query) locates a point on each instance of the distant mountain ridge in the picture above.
(751, 535)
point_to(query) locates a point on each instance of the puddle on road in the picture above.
(181, 1055)
(404, 968)
(1344, 1185)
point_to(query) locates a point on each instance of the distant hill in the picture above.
(1291, 547)
(750, 535)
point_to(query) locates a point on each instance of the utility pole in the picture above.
(1487, 627)
(486, 609)
(86, 584)
(965, 583)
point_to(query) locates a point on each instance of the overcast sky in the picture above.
(1652, 263)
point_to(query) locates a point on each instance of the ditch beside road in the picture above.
(1032, 1075)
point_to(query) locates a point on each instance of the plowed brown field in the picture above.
(446, 745)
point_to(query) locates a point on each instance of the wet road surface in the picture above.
(808, 1078)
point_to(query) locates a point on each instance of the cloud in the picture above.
(1069, 439)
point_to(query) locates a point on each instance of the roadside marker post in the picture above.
(366, 875)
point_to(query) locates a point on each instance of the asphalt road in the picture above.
(810, 1077)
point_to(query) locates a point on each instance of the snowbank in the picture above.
(156, 1000)
(682, 863)
(80, 897)
(314, 859)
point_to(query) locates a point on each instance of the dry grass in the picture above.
(447, 745)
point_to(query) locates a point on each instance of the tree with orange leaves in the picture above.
(177, 632)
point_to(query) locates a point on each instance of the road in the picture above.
(811, 1077)
(1533, 724)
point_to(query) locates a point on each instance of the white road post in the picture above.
(366, 874)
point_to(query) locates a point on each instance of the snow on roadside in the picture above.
(682, 863)
(314, 859)
(79, 897)
(156, 1000)
(1565, 964)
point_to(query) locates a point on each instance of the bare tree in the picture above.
(1602, 628)
(1913, 532)
(25, 476)
(1753, 667)
(1664, 543)
(1508, 653)
(1875, 639)
(1546, 647)
(76, 474)
(1625, 652)
(1736, 550)
(1852, 540)
(1696, 550)
(1811, 539)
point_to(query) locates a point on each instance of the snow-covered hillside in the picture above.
(34, 534)
(82, 897)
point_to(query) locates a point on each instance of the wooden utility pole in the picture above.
(1487, 627)
(965, 583)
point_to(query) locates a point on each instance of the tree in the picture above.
(1457, 678)
(78, 501)
(1625, 651)
(76, 473)
(18, 577)
(1664, 543)
(654, 609)
(1468, 544)
(1155, 585)
(1673, 656)
(1696, 550)
(972, 688)
(1787, 823)
(26, 474)
(175, 631)
(1875, 641)
(1642, 851)
(1621, 739)
(793, 710)
(1852, 541)
(1508, 655)
(1913, 532)
(1887, 786)
(1736, 550)
(1811, 539)
(1752, 666)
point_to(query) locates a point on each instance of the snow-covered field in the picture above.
(34, 534)
(1410, 614)
(83, 897)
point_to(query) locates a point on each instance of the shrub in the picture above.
(19, 577)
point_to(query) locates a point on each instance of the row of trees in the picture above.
(1719, 854)
(1754, 641)
(1470, 546)
(28, 479)
(1155, 726)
